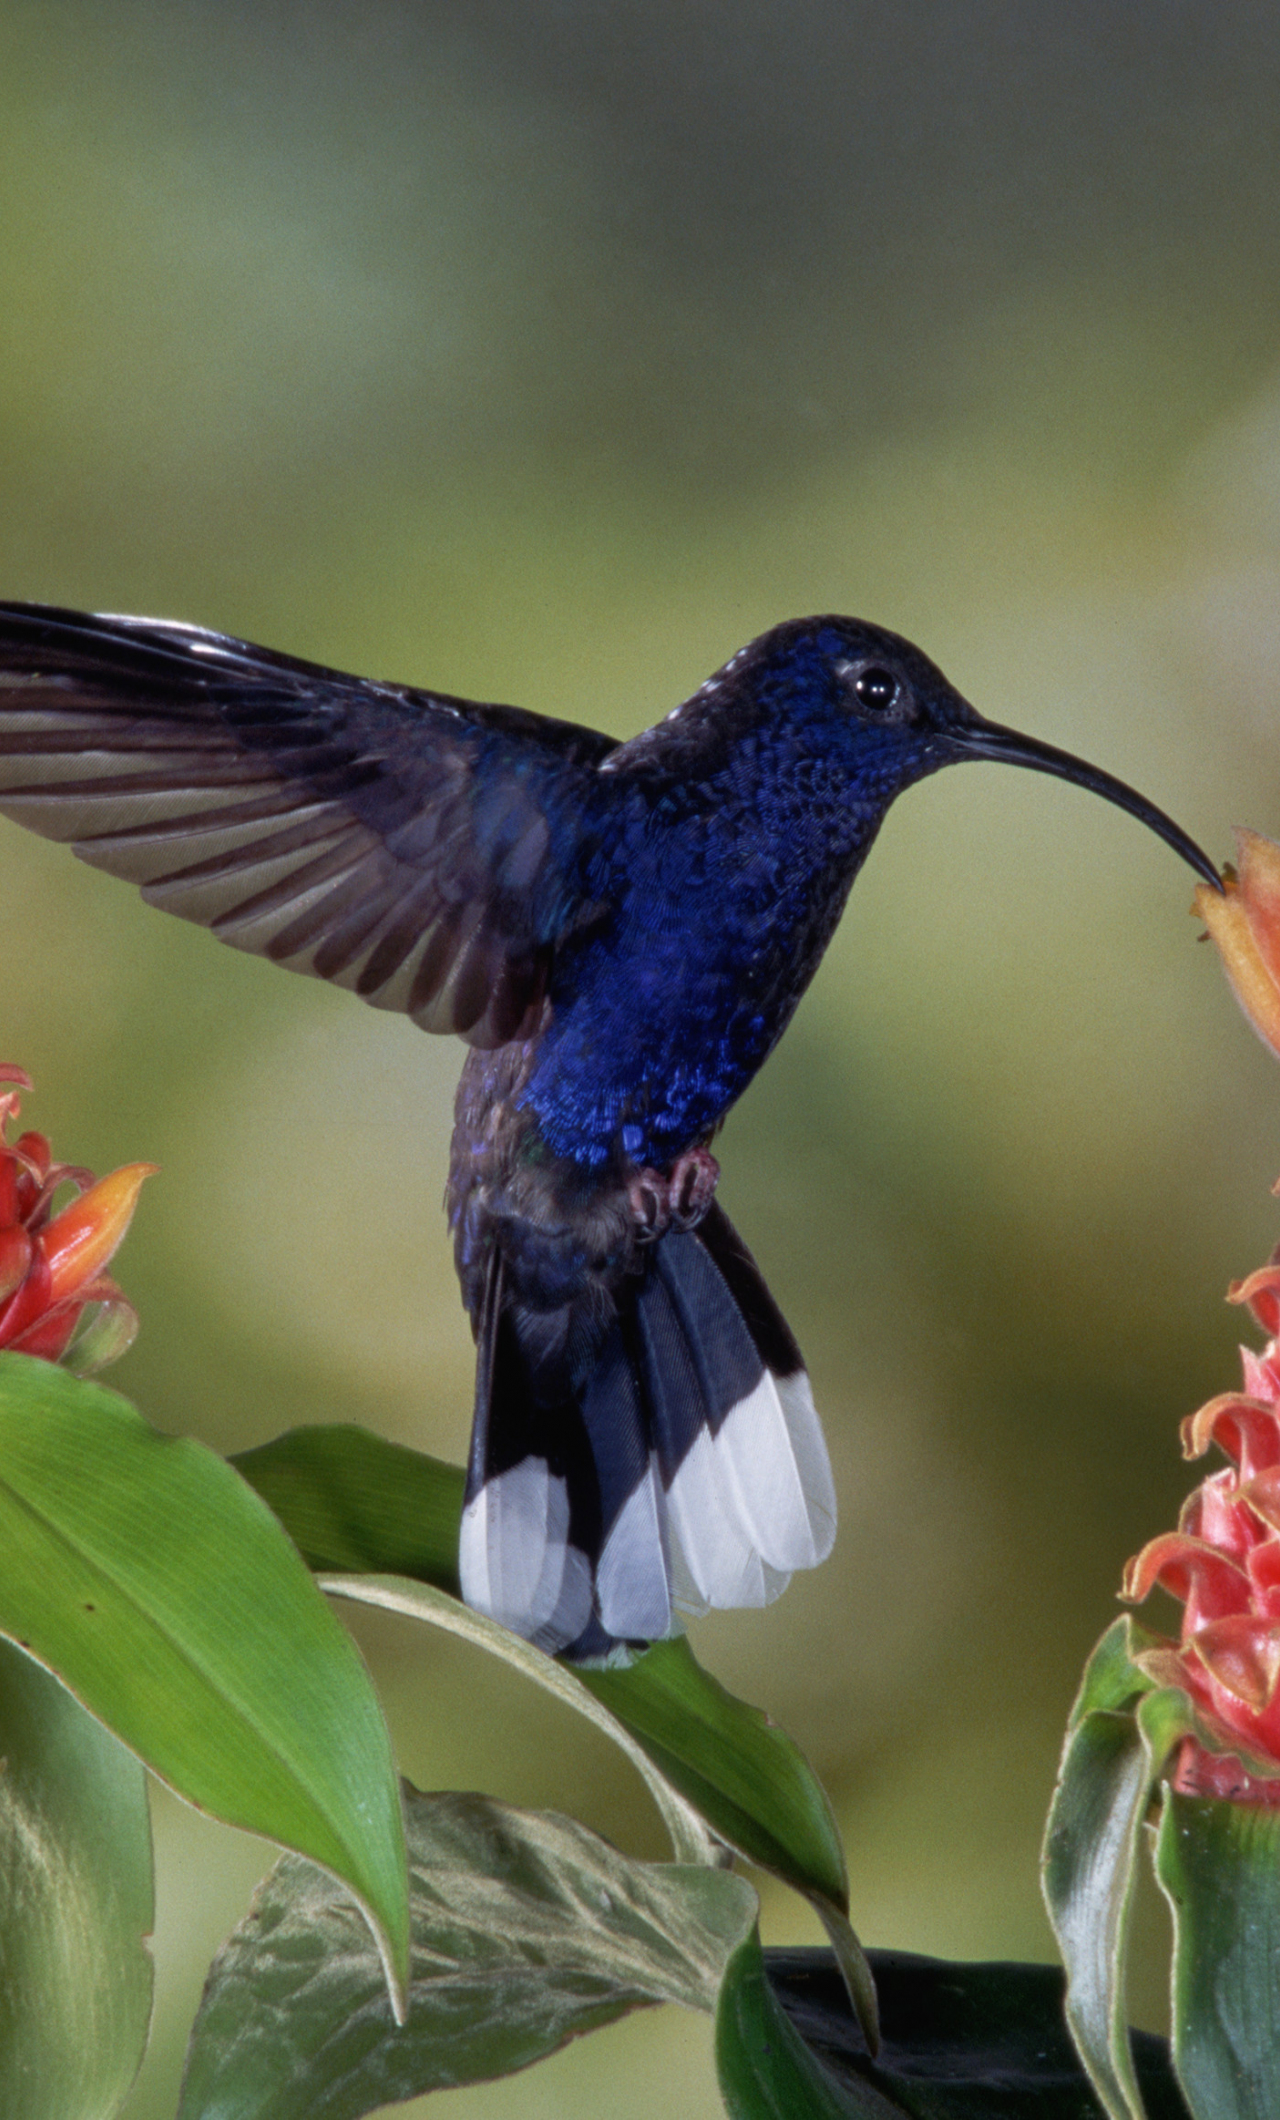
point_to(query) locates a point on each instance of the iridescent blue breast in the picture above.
(664, 1010)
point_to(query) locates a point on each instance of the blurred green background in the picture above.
(545, 351)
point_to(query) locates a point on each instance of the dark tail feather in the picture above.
(687, 1471)
(531, 1517)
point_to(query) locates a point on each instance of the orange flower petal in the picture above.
(1259, 861)
(1226, 914)
(78, 1243)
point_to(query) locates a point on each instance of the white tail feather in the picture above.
(726, 1565)
(514, 1558)
(633, 1578)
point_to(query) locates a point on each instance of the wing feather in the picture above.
(419, 849)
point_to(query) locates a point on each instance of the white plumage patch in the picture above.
(515, 1561)
(813, 1466)
(632, 1580)
(725, 1565)
(755, 1500)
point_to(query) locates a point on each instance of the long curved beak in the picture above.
(986, 739)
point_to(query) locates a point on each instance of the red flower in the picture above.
(52, 1266)
(1223, 1562)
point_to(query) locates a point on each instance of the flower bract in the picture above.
(53, 1259)
(1244, 920)
(1223, 1564)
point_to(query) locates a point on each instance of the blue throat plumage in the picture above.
(622, 932)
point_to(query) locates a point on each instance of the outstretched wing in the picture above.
(416, 848)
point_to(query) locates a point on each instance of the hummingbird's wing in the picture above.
(416, 848)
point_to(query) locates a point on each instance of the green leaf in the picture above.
(1090, 1850)
(749, 1780)
(350, 1500)
(527, 1930)
(766, 2070)
(1112, 1681)
(76, 1904)
(960, 2042)
(164, 1593)
(1119, 1735)
(355, 1503)
(421, 1601)
(752, 1784)
(703, 1754)
(1219, 1867)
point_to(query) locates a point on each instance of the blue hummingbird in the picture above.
(621, 932)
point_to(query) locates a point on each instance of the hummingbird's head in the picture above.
(899, 718)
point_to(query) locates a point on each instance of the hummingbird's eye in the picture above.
(877, 689)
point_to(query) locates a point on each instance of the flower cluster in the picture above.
(1223, 1562)
(52, 1266)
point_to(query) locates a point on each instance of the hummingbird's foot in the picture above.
(676, 1200)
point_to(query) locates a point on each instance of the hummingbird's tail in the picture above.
(670, 1460)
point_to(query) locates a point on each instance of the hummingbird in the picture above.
(620, 931)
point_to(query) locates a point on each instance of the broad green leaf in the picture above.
(766, 2070)
(749, 1780)
(960, 2042)
(1119, 1735)
(1112, 1682)
(1090, 1851)
(689, 1838)
(76, 1904)
(704, 1754)
(355, 1503)
(163, 1592)
(351, 1500)
(527, 1930)
(1219, 1867)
